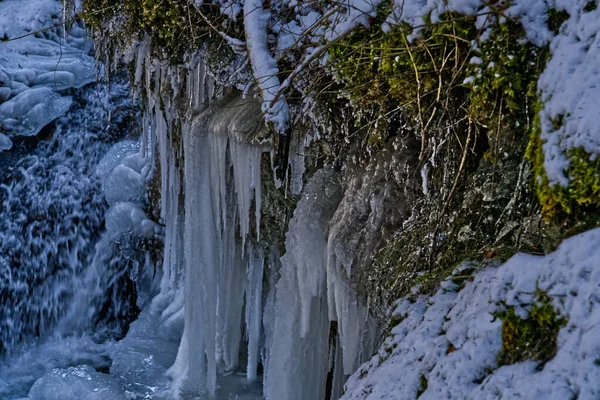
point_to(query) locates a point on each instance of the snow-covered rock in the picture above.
(451, 339)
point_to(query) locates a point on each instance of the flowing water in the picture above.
(50, 222)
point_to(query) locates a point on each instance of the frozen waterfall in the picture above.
(213, 293)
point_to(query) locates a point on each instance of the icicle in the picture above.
(256, 182)
(209, 274)
(142, 54)
(240, 158)
(254, 309)
(196, 360)
(352, 316)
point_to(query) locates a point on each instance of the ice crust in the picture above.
(76, 383)
(36, 69)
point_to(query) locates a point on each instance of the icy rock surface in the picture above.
(140, 360)
(462, 321)
(125, 172)
(126, 217)
(76, 383)
(115, 156)
(20, 371)
(35, 69)
(298, 352)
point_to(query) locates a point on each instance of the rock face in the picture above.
(376, 202)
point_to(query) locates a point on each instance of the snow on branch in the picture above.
(264, 65)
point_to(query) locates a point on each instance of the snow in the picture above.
(36, 69)
(264, 65)
(452, 339)
(569, 91)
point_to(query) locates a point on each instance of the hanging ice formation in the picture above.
(211, 292)
(211, 285)
(312, 293)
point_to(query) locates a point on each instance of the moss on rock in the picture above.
(531, 338)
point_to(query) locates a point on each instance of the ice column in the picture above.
(297, 365)
(221, 177)
(254, 308)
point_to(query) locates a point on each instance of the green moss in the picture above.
(175, 27)
(532, 338)
(556, 18)
(581, 197)
(504, 89)
(381, 71)
(590, 6)
(395, 321)
(423, 383)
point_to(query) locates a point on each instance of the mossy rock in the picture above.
(175, 27)
(576, 204)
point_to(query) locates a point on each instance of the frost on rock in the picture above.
(35, 69)
(451, 340)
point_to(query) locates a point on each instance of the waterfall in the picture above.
(52, 211)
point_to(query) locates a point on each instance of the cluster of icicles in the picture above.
(214, 266)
